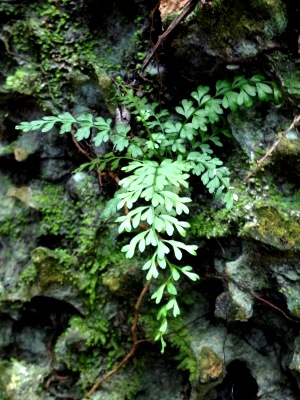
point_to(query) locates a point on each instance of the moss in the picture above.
(231, 19)
(13, 214)
(274, 227)
(48, 38)
(4, 379)
(28, 276)
(89, 344)
(56, 44)
(211, 224)
(24, 81)
(181, 341)
(83, 239)
(289, 146)
(49, 268)
(21, 380)
(59, 219)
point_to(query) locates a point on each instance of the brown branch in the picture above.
(80, 148)
(134, 346)
(271, 150)
(85, 153)
(186, 10)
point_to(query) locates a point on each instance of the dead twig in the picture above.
(186, 10)
(86, 154)
(273, 147)
(134, 346)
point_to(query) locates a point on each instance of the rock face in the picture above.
(67, 292)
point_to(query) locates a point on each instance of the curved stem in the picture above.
(134, 346)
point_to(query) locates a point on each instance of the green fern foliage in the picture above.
(157, 162)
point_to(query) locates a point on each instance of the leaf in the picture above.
(100, 123)
(129, 250)
(125, 226)
(51, 118)
(188, 132)
(164, 326)
(174, 272)
(228, 199)
(222, 87)
(158, 294)
(242, 98)
(153, 273)
(157, 199)
(213, 184)
(249, 89)
(102, 136)
(176, 310)
(257, 78)
(262, 96)
(66, 116)
(171, 288)
(135, 150)
(151, 238)
(159, 224)
(200, 93)
(263, 90)
(81, 168)
(47, 127)
(205, 178)
(177, 251)
(147, 265)
(173, 304)
(121, 144)
(200, 120)
(216, 141)
(238, 82)
(162, 249)
(84, 117)
(189, 248)
(67, 127)
(163, 345)
(148, 216)
(162, 262)
(191, 275)
(110, 208)
(187, 108)
(230, 101)
(136, 220)
(82, 133)
(160, 182)
(30, 126)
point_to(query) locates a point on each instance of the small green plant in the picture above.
(158, 162)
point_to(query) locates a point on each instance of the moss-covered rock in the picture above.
(20, 380)
(225, 31)
(49, 268)
(275, 228)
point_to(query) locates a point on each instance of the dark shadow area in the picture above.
(238, 384)
(42, 320)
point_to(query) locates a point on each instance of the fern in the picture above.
(160, 159)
